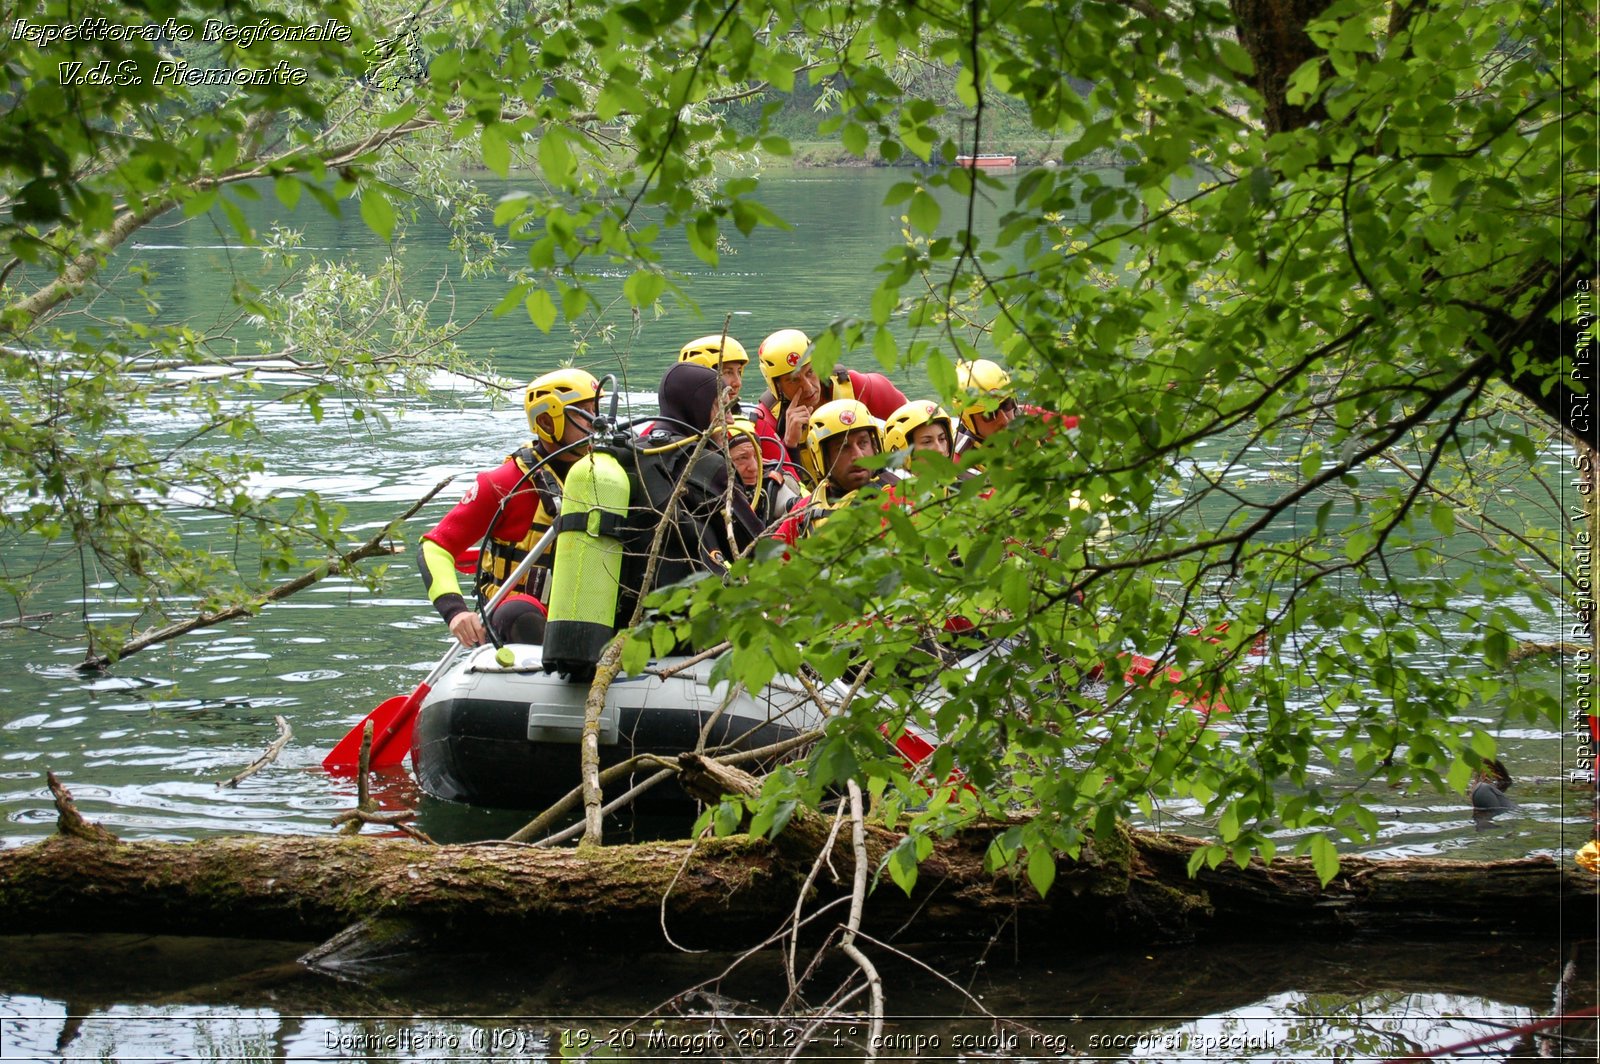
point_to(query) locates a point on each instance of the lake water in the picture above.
(144, 747)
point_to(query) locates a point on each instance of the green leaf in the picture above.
(555, 157)
(884, 301)
(1303, 82)
(924, 212)
(1497, 647)
(902, 863)
(377, 212)
(1443, 516)
(885, 350)
(1324, 859)
(635, 654)
(772, 818)
(1042, 869)
(541, 309)
(854, 137)
(1260, 186)
(1234, 57)
(728, 817)
(702, 234)
(288, 190)
(201, 202)
(643, 287)
(400, 115)
(496, 151)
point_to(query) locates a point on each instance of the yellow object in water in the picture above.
(1589, 857)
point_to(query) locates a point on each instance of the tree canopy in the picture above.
(1372, 283)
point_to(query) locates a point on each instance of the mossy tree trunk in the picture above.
(727, 892)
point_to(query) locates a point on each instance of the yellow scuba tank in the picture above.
(588, 567)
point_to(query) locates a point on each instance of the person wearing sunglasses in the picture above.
(988, 408)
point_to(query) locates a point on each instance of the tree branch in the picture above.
(373, 547)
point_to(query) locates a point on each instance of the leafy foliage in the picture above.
(102, 136)
(1326, 297)
(1352, 271)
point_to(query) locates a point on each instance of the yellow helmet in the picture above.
(551, 393)
(711, 351)
(782, 353)
(740, 429)
(984, 382)
(836, 418)
(912, 416)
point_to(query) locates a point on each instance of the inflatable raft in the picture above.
(506, 736)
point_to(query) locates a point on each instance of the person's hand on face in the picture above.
(802, 392)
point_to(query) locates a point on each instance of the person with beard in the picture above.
(839, 435)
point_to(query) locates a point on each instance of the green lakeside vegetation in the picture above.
(1380, 287)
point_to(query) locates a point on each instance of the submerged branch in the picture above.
(271, 755)
(70, 822)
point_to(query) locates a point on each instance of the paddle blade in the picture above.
(392, 723)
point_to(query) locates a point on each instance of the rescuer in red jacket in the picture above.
(507, 509)
(795, 392)
(838, 435)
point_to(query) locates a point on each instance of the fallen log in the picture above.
(724, 892)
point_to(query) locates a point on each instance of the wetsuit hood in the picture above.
(688, 396)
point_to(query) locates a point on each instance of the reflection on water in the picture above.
(136, 997)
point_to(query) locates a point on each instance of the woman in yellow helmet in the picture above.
(920, 425)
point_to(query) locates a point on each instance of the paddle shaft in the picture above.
(400, 718)
(528, 561)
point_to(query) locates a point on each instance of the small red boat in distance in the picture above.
(987, 162)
